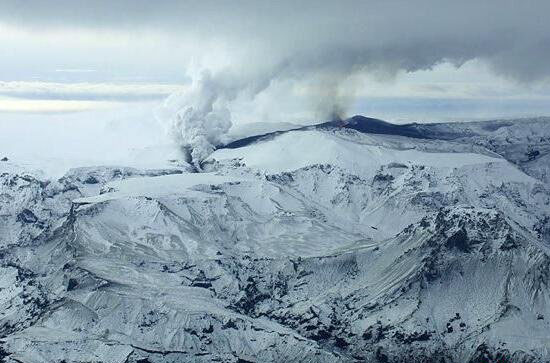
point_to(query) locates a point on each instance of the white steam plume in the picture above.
(198, 120)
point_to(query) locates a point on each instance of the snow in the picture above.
(55, 143)
(243, 130)
(159, 186)
(315, 245)
(295, 150)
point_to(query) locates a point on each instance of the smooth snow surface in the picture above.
(159, 186)
(360, 156)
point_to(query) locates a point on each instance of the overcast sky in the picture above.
(281, 60)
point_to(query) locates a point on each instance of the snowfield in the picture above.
(342, 242)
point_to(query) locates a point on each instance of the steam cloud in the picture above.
(199, 119)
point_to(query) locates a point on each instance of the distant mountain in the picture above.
(348, 241)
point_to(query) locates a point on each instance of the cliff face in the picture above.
(329, 243)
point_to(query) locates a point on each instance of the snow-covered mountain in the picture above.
(354, 240)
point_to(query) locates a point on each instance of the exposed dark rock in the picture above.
(73, 283)
(91, 180)
(459, 241)
(381, 356)
(242, 360)
(413, 337)
(383, 178)
(27, 216)
(509, 244)
(532, 155)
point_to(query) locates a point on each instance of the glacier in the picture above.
(351, 240)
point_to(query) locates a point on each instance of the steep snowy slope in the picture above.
(330, 243)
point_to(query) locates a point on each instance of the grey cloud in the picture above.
(317, 40)
(512, 35)
(86, 91)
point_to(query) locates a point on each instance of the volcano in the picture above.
(345, 241)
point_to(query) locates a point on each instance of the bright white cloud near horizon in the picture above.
(108, 65)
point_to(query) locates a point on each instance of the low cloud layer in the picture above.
(86, 91)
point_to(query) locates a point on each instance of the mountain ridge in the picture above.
(321, 244)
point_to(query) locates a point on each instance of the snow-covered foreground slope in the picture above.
(321, 244)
